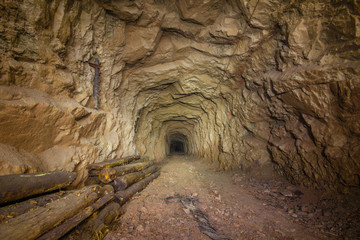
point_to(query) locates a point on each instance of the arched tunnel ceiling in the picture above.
(247, 82)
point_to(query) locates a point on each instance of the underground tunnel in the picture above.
(177, 147)
(177, 144)
(210, 104)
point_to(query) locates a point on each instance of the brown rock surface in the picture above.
(239, 83)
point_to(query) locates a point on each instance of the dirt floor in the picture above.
(190, 196)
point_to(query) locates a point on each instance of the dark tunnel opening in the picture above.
(177, 144)
(177, 147)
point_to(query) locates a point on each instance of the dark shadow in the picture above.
(177, 147)
(177, 144)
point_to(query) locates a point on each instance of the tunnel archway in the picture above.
(177, 144)
(177, 147)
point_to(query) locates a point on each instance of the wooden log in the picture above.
(17, 209)
(112, 163)
(144, 159)
(72, 222)
(96, 226)
(18, 186)
(106, 215)
(109, 174)
(92, 180)
(33, 224)
(106, 189)
(125, 195)
(123, 182)
(94, 172)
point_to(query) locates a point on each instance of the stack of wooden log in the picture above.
(35, 207)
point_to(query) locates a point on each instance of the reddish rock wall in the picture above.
(247, 82)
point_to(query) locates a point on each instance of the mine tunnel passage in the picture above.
(177, 144)
(177, 147)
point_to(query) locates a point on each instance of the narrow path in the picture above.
(232, 210)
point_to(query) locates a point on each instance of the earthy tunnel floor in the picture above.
(238, 207)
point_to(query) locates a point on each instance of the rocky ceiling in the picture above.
(241, 83)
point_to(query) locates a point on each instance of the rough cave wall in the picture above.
(247, 82)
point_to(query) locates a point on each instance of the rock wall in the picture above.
(246, 82)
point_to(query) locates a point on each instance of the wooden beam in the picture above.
(34, 223)
(96, 226)
(125, 195)
(108, 174)
(18, 186)
(123, 182)
(72, 222)
(17, 209)
(112, 163)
